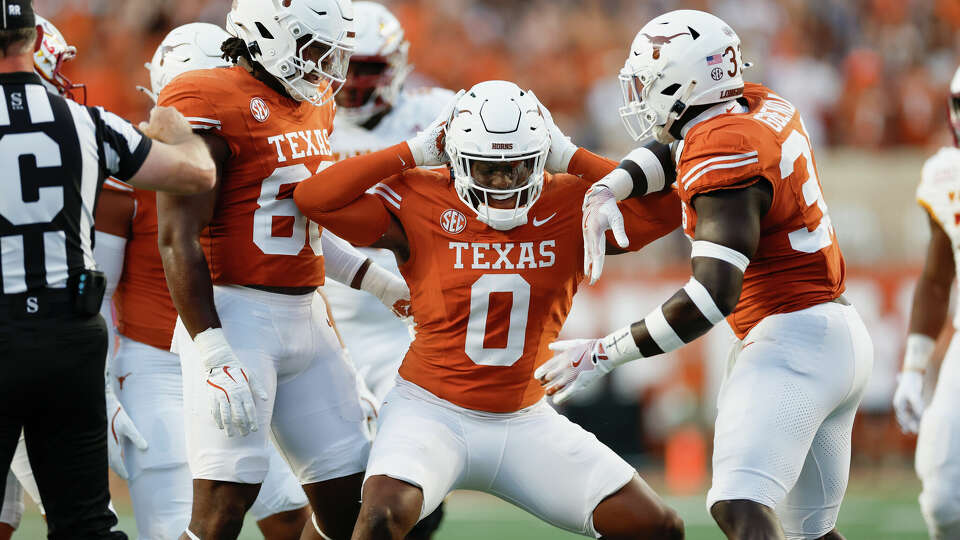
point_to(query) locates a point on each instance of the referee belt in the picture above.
(37, 304)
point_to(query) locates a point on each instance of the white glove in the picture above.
(120, 426)
(578, 363)
(908, 400)
(562, 148)
(600, 213)
(389, 288)
(230, 387)
(427, 146)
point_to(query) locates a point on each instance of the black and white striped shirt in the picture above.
(54, 157)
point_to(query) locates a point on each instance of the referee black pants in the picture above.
(52, 387)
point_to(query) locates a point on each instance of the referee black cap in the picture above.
(17, 14)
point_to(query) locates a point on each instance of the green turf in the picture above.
(879, 506)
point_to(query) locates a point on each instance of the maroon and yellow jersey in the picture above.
(257, 235)
(798, 263)
(486, 302)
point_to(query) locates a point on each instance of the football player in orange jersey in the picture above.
(147, 376)
(492, 253)
(243, 265)
(764, 256)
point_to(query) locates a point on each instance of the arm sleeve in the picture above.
(337, 197)
(124, 147)
(341, 259)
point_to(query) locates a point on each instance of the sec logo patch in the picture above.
(453, 221)
(259, 109)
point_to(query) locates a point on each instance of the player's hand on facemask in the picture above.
(427, 146)
(577, 364)
(908, 400)
(230, 386)
(600, 214)
(562, 148)
(119, 427)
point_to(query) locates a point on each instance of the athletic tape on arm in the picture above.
(704, 302)
(660, 330)
(703, 248)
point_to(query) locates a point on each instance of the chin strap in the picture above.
(676, 111)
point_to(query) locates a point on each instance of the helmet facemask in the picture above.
(318, 69)
(500, 189)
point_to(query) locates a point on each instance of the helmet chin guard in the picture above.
(498, 143)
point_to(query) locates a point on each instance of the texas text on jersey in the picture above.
(257, 236)
(797, 242)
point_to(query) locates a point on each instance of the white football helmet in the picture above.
(497, 129)
(48, 63)
(954, 104)
(186, 48)
(678, 59)
(305, 44)
(379, 65)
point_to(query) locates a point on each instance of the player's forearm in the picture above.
(346, 181)
(342, 262)
(191, 288)
(930, 303)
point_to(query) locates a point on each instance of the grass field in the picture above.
(880, 505)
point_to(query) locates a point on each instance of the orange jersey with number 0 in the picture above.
(487, 303)
(798, 263)
(258, 236)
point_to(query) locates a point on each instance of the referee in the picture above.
(54, 156)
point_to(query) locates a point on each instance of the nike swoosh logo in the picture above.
(537, 222)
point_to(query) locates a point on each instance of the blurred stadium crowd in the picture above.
(866, 73)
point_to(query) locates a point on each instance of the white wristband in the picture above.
(620, 347)
(919, 350)
(378, 281)
(619, 182)
(214, 349)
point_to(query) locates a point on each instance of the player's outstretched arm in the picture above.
(180, 219)
(931, 299)
(726, 236)
(179, 161)
(644, 171)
